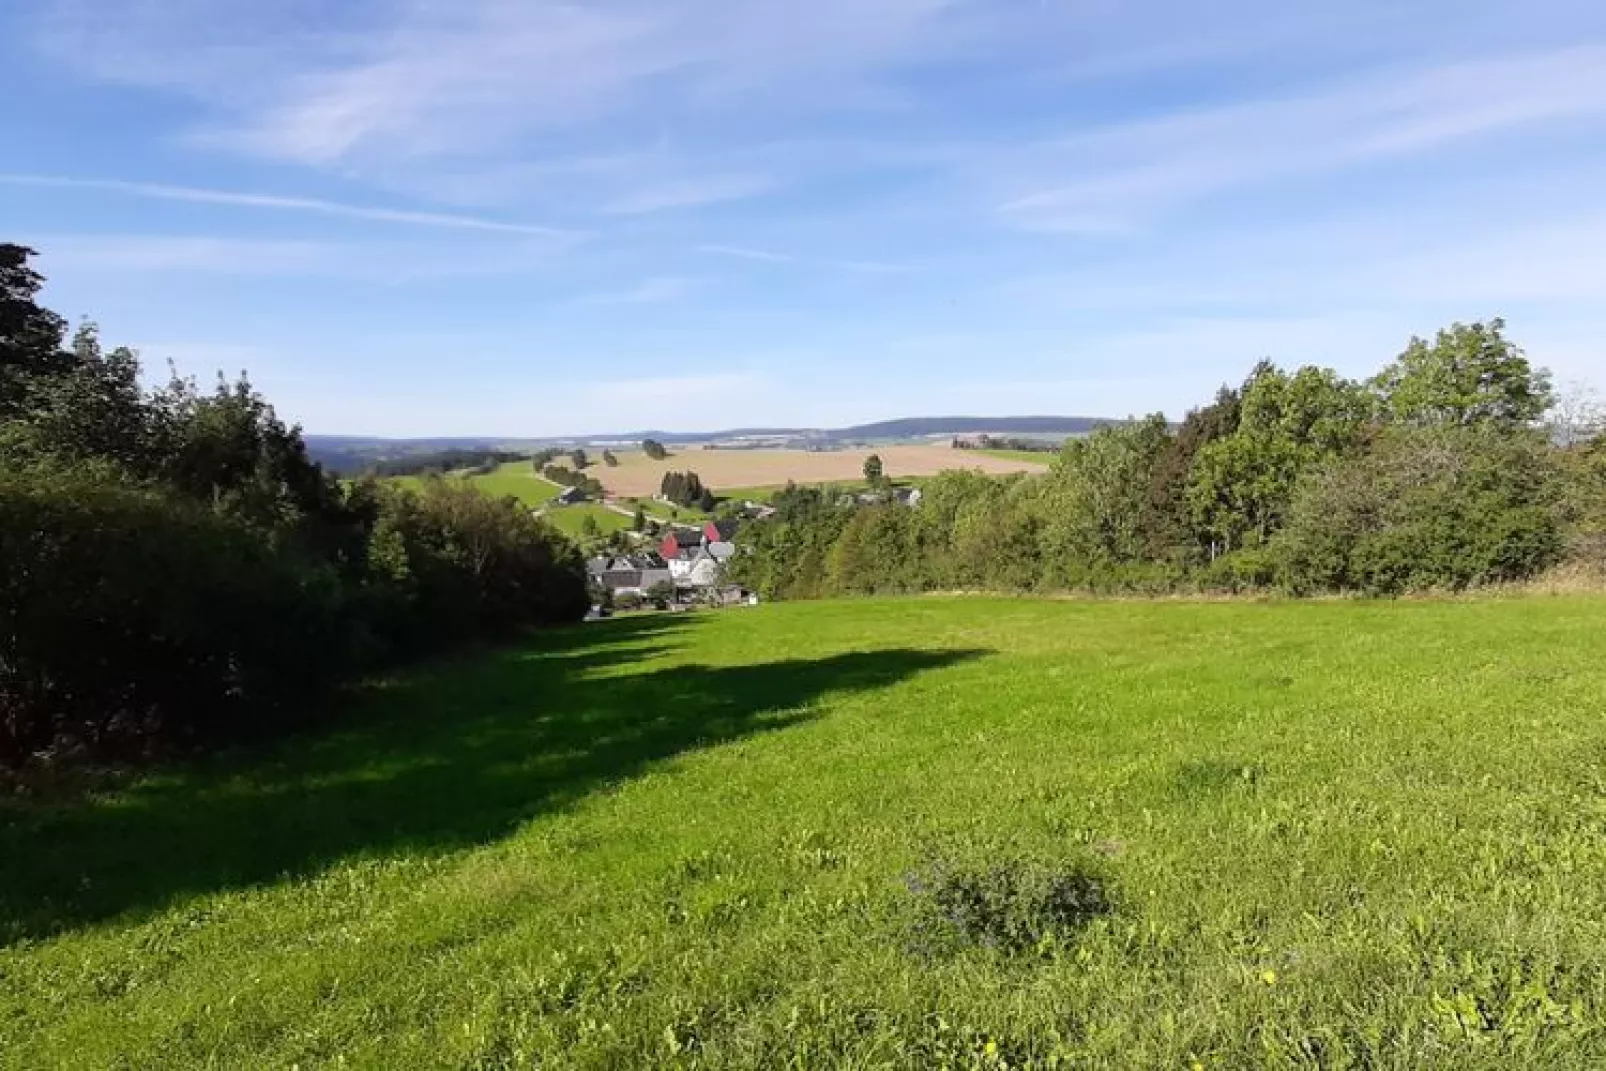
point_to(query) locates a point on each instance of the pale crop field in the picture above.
(637, 474)
(910, 833)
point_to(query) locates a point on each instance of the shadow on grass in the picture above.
(446, 758)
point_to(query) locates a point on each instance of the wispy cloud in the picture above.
(690, 193)
(416, 78)
(765, 256)
(142, 254)
(274, 202)
(1117, 177)
(743, 253)
(383, 263)
(1244, 177)
(1426, 262)
(648, 292)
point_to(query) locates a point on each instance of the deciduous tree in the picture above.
(1469, 374)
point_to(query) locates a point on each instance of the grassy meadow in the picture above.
(975, 833)
(514, 478)
(518, 479)
(570, 520)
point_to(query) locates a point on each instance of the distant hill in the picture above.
(925, 427)
(354, 453)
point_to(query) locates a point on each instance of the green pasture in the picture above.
(919, 833)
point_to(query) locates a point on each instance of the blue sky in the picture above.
(526, 217)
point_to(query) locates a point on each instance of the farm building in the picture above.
(569, 496)
(720, 531)
(679, 543)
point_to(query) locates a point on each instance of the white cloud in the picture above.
(1396, 260)
(140, 258)
(370, 213)
(415, 78)
(144, 254)
(895, 129)
(651, 291)
(765, 256)
(690, 193)
(743, 253)
(1117, 177)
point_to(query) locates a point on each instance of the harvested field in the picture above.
(637, 474)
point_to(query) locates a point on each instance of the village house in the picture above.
(634, 574)
(696, 556)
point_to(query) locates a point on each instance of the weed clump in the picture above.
(1013, 906)
(1202, 777)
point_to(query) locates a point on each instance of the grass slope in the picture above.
(516, 478)
(571, 520)
(1329, 834)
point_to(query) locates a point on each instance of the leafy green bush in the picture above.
(175, 568)
(130, 616)
(1250, 569)
(133, 618)
(1427, 508)
(1583, 501)
(448, 564)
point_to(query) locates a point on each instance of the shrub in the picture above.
(1250, 569)
(1427, 508)
(1583, 501)
(448, 564)
(174, 566)
(130, 617)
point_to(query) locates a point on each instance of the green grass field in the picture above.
(571, 520)
(663, 511)
(907, 833)
(516, 478)
(520, 480)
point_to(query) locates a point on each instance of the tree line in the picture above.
(471, 462)
(1439, 473)
(686, 489)
(175, 570)
(998, 442)
(566, 477)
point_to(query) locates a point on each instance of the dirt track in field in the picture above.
(638, 475)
